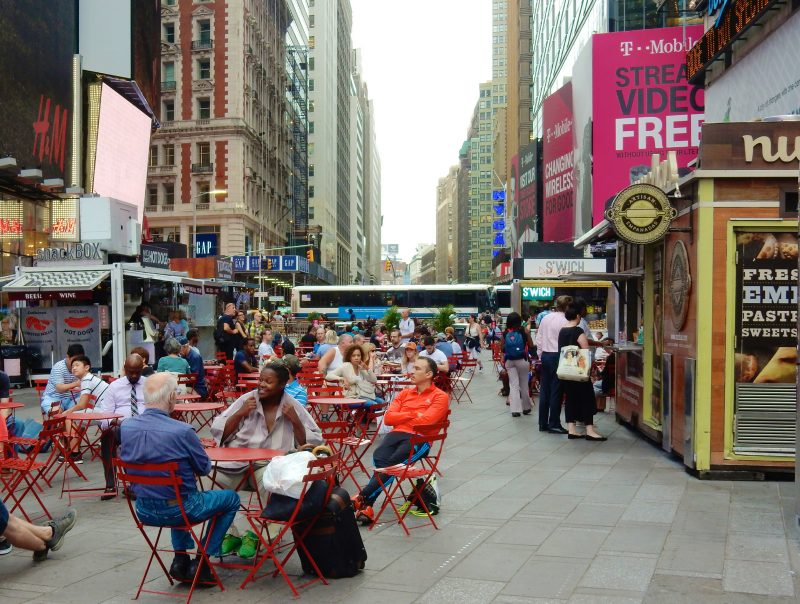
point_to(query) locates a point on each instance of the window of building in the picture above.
(311, 192)
(152, 196)
(204, 153)
(311, 84)
(168, 72)
(169, 155)
(311, 20)
(170, 2)
(311, 148)
(311, 127)
(153, 161)
(169, 33)
(311, 106)
(169, 194)
(204, 29)
(311, 169)
(203, 109)
(169, 111)
(311, 63)
(204, 69)
(203, 187)
(311, 41)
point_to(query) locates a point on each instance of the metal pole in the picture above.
(194, 228)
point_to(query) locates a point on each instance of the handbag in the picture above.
(574, 364)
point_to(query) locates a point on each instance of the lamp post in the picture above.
(194, 225)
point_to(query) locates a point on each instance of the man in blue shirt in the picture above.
(154, 437)
(293, 387)
(195, 361)
(61, 382)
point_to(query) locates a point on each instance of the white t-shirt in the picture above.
(438, 356)
(406, 328)
(91, 384)
(265, 349)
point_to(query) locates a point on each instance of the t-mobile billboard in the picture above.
(642, 104)
(558, 166)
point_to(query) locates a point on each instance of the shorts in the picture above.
(65, 404)
(3, 518)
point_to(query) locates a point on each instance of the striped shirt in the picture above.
(59, 374)
(297, 392)
(94, 386)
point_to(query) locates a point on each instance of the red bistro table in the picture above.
(199, 414)
(246, 455)
(83, 420)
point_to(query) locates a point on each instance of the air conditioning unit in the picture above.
(111, 223)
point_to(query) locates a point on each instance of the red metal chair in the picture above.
(323, 468)
(433, 436)
(163, 475)
(460, 383)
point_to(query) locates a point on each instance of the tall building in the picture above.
(500, 42)
(422, 268)
(447, 227)
(224, 127)
(330, 88)
(518, 79)
(373, 217)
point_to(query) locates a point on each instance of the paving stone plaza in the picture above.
(527, 517)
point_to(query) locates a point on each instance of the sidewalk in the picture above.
(527, 517)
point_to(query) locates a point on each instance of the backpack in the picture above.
(514, 345)
(333, 540)
(430, 496)
(219, 335)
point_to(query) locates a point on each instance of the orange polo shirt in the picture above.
(411, 408)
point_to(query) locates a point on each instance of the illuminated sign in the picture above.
(498, 195)
(77, 252)
(64, 220)
(734, 17)
(641, 214)
(11, 218)
(538, 293)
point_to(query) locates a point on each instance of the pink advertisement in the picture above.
(558, 166)
(642, 104)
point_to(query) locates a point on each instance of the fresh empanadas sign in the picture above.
(766, 315)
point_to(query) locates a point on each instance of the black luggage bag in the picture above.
(334, 540)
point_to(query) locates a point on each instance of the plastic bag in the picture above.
(284, 474)
(574, 364)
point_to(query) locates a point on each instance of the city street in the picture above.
(526, 517)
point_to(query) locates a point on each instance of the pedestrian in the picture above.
(516, 346)
(240, 330)
(406, 325)
(580, 403)
(550, 387)
(256, 326)
(473, 339)
(224, 335)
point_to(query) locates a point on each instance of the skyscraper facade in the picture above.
(447, 227)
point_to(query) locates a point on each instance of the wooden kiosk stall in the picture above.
(718, 303)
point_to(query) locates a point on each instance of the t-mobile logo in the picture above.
(626, 48)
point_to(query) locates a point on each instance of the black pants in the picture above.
(394, 449)
(109, 440)
(580, 403)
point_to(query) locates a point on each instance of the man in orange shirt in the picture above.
(421, 405)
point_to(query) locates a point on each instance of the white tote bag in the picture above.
(284, 474)
(574, 364)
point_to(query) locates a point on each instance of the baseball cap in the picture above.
(182, 340)
(441, 336)
(411, 345)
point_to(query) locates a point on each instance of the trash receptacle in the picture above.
(14, 358)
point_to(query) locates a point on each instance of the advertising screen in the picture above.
(558, 166)
(524, 224)
(123, 142)
(36, 83)
(512, 207)
(642, 104)
(766, 313)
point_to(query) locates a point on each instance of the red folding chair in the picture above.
(460, 383)
(25, 472)
(416, 472)
(323, 468)
(355, 446)
(164, 475)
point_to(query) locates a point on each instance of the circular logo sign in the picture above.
(641, 214)
(679, 285)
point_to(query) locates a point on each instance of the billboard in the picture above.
(522, 190)
(558, 185)
(642, 104)
(512, 206)
(36, 75)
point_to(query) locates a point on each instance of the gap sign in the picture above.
(538, 293)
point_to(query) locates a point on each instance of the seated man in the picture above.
(420, 405)
(154, 437)
(195, 365)
(293, 387)
(266, 418)
(61, 382)
(125, 397)
(92, 387)
(438, 357)
(245, 360)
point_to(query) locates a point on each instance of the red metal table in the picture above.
(188, 396)
(247, 455)
(83, 420)
(199, 415)
(342, 406)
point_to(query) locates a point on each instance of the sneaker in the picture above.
(61, 458)
(61, 526)
(366, 515)
(404, 507)
(41, 556)
(419, 513)
(358, 502)
(248, 547)
(230, 544)
(77, 457)
(5, 546)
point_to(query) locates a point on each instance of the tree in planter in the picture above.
(444, 318)
(313, 316)
(392, 318)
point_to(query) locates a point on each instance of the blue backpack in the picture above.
(514, 345)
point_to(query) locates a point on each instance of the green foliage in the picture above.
(444, 318)
(392, 318)
(313, 316)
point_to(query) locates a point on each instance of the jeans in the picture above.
(394, 449)
(199, 506)
(549, 392)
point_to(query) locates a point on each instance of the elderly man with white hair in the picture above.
(335, 356)
(154, 437)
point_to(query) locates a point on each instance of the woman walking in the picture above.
(516, 346)
(580, 402)
(473, 339)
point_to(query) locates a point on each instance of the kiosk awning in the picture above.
(69, 284)
(636, 273)
(602, 231)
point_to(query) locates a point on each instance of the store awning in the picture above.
(602, 231)
(637, 273)
(55, 285)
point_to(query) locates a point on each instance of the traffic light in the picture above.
(387, 266)
(310, 254)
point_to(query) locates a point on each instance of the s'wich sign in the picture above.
(641, 214)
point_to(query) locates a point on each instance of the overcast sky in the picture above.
(423, 61)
